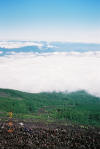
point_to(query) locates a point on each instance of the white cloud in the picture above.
(1, 52)
(18, 44)
(51, 72)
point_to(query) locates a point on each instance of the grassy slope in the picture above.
(77, 107)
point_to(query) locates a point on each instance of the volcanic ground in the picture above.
(38, 135)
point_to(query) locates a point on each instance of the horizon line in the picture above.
(62, 41)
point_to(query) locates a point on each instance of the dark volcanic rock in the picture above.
(34, 136)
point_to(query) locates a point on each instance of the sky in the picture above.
(50, 20)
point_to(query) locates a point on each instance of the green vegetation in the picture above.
(76, 107)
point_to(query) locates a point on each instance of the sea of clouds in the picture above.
(18, 44)
(57, 71)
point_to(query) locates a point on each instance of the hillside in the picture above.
(76, 107)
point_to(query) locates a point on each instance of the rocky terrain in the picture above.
(36, 135)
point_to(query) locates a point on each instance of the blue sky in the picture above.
(61, 20)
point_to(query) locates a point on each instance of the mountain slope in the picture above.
(77, 107)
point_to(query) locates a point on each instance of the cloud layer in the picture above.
(18, 44)
(64, 71)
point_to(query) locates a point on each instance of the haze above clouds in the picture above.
(57, 71)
